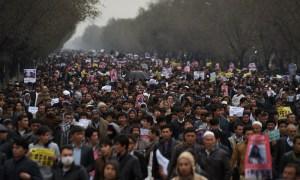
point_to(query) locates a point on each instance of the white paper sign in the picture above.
(83, 123)
(33, 109)
(236, 111)
(162, 161)
(106, 88)
(54, 101)
(29, 75)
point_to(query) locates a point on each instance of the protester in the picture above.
(130, 167)
(67, 169)
(44, 142)
(20, 167)
(186, 167)
(165, 109)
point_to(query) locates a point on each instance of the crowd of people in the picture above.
(104, 116)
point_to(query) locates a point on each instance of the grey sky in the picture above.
(113, 9)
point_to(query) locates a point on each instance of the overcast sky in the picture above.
(114, 9)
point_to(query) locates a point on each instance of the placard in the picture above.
(236, 111)
(29, 75)
(258, 161)
(42, 156)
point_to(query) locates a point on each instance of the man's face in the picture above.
(246, 118)
(24, 123)
(248, 134)
(45, 137)
(122, 120)
(166, 133)
(106, 150)
(77, 137)
(292, 131)
(68, 118)
(256, 129)
(282, 128)
(66, 153)
(297, 146)
(289, 173)
(3, 136)
(18, 151)
(119, 148)
(239, 130)
(270, 126)
(131, 145)
(209, 142)
(35, 126)
(190, 138)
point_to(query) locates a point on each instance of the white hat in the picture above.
(208, 133)
(101, 104)
(257, 123)
(224, 102)
(66, 93)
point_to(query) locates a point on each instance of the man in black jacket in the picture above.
(83, 155)
(189, 144)
(213, 160)
(292, 156)
(166, 147)
(66, 169)
(20, 167)
(129, 165)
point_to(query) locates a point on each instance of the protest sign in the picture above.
(283, 111)
(29, 75)
(33, 109)
(162, 161)
(258, 160)
(42, 156)
(54, 101)
(144, 134)
(236, 111)
(274, 135)
(213, 77)
(113, 75)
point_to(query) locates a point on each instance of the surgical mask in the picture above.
(68, 160)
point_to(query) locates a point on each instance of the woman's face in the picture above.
(110, 172)
(184, 167)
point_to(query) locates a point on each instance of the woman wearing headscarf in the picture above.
(186, 167)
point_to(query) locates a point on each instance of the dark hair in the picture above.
(282, 122)
(296, 138)
(69, 147)
(247, 128)
(21, 142)
(123, 140)
(36, 121)
(166, 127)
(21, 117)
(121, 114)
(132, 137)
(214, 122)
(295, 166)
(236, 125)
(90, 131)
(107, 141)
(75, 129)
(155, 131)
(189, 130)
(271, 121)
(42, 130)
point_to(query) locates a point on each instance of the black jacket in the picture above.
(87, 158)
(216, 164)
(12, 169)
(166, 149)
(129, 167)
(75, 173)
(280, 149)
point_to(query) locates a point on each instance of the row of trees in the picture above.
(266, 32)
(32, 29)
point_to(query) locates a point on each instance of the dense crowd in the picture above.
(104, 116)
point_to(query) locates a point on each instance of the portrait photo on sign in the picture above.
(257, 154)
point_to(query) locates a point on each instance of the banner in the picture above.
(236, 111)
(29, 75)
(258, 161)
(42, 156)
(144, 134)
(113, 75)
(283, 111)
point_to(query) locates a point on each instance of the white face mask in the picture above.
(68, 160)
